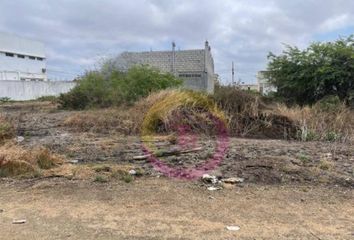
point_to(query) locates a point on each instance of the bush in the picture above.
(98, 89)
(7, 130)
(327, 120)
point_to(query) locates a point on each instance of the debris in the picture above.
(132, 172)
(19, 139)
(233, 180)
(212, 188)
(167, 153)
(233, 228)
(75, 161)
(211, 197)
(210, 179)
(19, 221)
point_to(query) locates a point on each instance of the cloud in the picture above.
(79, 33)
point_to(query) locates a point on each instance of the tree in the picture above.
(306, 76)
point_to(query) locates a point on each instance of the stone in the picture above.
(233, 180)
(132, 172)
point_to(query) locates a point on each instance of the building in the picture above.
(264, 86)
(21, 59)
(194, 67)
(249, 87)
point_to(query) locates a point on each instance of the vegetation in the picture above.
(15, 161)
(7, 130)
(101, 89)
(306, 76)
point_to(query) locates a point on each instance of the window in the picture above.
(32, 58)
(188, 75)
(20, 56)
(9, 54)
(39, 59)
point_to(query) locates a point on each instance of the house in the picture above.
(195, 67)
(21, 59)
(264, 86)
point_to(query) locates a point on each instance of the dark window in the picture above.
(9, 54)
(32, 58)
(44, 70)
(20, 56)
(39, 59)
(190, 75)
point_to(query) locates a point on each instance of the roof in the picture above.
(19, 45)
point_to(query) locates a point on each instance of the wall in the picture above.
(28, 90)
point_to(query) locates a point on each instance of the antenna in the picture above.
(233, 74)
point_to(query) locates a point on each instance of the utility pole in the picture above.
(233, 74)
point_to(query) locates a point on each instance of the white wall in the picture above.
(28, 90)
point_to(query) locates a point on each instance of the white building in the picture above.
(264, 86)
(21, 59)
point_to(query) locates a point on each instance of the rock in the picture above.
(212, 188)
(19, 221)
(233, 228)
(19, 139)
(132, 172)
(233, 180)
(210, 179)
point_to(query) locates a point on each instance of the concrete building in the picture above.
(264, 86)
(249, 87)
(21, 59)
(195, 67)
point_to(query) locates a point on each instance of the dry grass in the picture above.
(15, 160)
(249, 116)
(315, 123)
(7, 130)
(244, 114)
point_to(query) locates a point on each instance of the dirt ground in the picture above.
(291, 190)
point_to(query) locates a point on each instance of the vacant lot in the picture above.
(291, 190)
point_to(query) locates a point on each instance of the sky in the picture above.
(80, 34)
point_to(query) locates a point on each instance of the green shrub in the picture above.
(98, 89)
(48, 99)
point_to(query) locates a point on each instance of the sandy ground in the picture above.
(161, 208)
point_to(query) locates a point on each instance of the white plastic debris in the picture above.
(132, 172)
(212, 188)
(210, 179)
(233, 228)
(19, 139)
(74, 161)
(19, 221)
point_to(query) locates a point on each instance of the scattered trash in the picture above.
(210, 179)
(233, 180)
(233, 228)
(212, 188)
(132, 172)
(74, 161)
(19, 139)
(19, 221)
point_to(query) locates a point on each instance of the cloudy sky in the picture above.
(81, 33)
